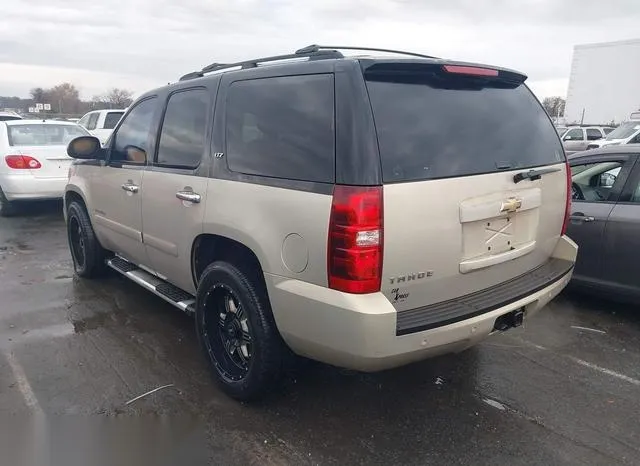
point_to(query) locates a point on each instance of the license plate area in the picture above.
(509, 320)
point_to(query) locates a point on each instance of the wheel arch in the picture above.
(208, 248)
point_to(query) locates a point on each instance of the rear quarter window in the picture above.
(430, 126)
(282, 127)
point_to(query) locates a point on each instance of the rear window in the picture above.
(112, 119)
(9, 118)
(432, 126)
(43, 135)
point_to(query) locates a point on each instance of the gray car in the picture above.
(605, 219)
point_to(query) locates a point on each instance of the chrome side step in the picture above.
(170, 293)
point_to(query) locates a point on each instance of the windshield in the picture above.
(624, 131)
(9, 117)
(43, 135)
(443, 128)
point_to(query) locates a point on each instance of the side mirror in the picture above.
(566, 138)
(85, 148)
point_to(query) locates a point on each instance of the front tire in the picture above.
(237, 332)
(7, 208)
(87, 253)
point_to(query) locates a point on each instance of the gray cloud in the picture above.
(155, 41)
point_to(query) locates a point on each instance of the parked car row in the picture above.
(578, 138)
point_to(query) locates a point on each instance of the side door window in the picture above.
(595, 182)
(282, 127)
(131, 140)
(182, 138)
(593, 134)
(93, 121)
(574, 134)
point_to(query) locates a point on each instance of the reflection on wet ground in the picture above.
(563, 390)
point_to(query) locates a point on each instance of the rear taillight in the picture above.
(354, 260)
(470, 70)
(22, 162)
(567, 209)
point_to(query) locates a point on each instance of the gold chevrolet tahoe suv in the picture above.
(365, 212)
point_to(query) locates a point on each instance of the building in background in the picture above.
(604, 86)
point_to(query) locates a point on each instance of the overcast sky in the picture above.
(140, 44)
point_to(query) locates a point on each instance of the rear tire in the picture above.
(7, 208)
(237, 332)
(87, 253)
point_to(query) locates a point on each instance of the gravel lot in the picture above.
(565, 389)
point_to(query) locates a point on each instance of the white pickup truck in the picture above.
(100, 123)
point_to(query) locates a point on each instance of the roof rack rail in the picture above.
(317, 48)
(311, 55)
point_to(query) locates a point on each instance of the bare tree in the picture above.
(118, 98)
(38, 94)
(554, 106)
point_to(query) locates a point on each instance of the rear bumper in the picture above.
(18, 187)
(361, 332)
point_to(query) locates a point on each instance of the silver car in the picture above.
(576, 139)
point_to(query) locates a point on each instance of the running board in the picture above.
(170, 293)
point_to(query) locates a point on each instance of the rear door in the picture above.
(621, 255)
(455, 220)
(596, 185)
(175, 185)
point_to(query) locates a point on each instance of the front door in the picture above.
(175, 186)
(574, 140)
(621, 255)
(116, 190)
(596, 185)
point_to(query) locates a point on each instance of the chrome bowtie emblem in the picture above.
(511, 205)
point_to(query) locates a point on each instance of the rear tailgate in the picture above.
(455, 221)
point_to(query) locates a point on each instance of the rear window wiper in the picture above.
(533, 174)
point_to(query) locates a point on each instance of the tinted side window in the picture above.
(131, 139)
(112, 119)
(184, 129)
(593, 134)
(93, 121)
(282, 127)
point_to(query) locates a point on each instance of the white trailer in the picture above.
(604, 86)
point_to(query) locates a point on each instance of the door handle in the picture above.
(132, 188)
(582, 218)
(188, 196)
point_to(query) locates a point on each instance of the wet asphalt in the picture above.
(563, 389)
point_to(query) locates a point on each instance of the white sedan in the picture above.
(34, 163)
